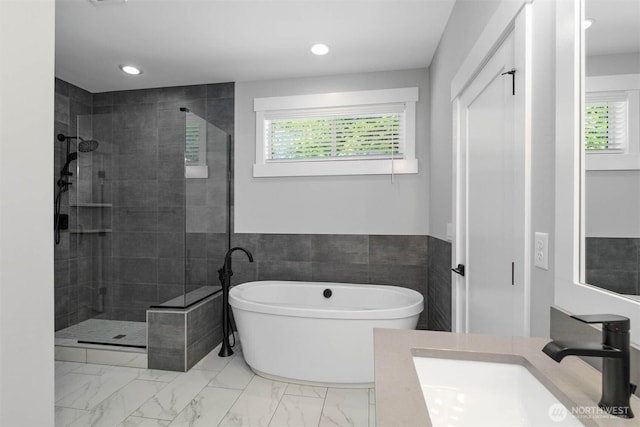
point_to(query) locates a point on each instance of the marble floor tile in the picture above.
(63, 368)
(97, 390)
(103, 395)
(92, 369)
(213, 362)
(235, 375)
(256, 405)
(306, 390)
(297, 411)
(66, 416)
(167, 404)
(346, 408)
(145, 374)
(157, 375)
(208, 408)
(143, 422)
(117, 407)
(70, 383)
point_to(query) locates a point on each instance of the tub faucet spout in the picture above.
(615, 353)
(224, 274)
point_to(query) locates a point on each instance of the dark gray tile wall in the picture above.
(73, 257)
(613, 264)
(388, 260)
(165, 230)
(439, 287)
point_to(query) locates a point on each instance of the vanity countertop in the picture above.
(399, 400)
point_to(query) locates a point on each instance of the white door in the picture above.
(493, 301)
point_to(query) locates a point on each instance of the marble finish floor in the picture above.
(216, 392)
(114, 332)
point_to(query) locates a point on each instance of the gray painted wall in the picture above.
(369, 204)
(612, 203)
(467, 21)
(465, 24)
(27, 37)
(606, 65)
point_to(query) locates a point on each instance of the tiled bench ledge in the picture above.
(177, 338)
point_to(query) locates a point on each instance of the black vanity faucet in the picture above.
(615, 351)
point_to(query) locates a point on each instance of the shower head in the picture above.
(84, 146)
(87, 145)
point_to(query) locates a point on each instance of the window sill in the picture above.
(342, 167)
(200, 171)
(605, 162)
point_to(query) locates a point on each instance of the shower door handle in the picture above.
(459, 269)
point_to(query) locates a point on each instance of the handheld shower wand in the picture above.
(84, 146)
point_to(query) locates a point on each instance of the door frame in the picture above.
(510, 16)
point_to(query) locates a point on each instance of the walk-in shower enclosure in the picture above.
(149, 208)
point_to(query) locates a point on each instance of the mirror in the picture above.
(611, 144)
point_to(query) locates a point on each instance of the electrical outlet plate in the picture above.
(541, 251)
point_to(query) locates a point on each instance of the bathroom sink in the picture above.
(473, 393)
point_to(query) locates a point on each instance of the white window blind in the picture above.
(338, 133)
(346, 133)
(606, 123)
(195, 151)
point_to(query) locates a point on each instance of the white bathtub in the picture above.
(290, 331)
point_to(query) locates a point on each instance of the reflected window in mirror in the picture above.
(195, 146)
(611, 144)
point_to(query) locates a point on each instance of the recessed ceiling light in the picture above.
(130, 69)
(588, 22)
(320, 49)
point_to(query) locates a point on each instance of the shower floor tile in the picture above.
(111, 332)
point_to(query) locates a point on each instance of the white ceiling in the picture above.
(616, 29)
(182, 42)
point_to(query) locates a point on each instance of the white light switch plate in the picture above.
(541, 251)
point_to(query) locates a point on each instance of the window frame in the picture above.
(629, 85)
(408, 164)
(607, 99)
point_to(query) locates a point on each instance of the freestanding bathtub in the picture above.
(315, 332)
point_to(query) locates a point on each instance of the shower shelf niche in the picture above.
(91, 218)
